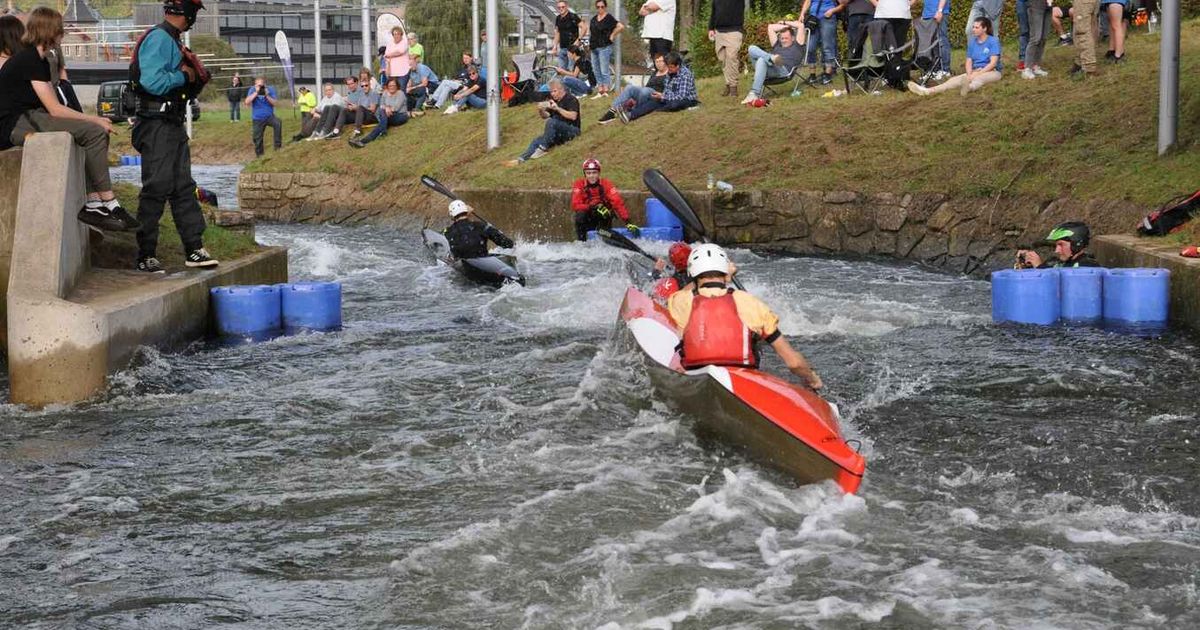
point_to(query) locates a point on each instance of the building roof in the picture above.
(78, 11)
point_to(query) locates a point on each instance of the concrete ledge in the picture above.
(1135, 251)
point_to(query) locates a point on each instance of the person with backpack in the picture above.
(1070, 240)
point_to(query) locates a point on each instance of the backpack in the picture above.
(1171, 216)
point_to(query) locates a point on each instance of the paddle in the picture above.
(667, 193)
(440, 188)
(616, 239)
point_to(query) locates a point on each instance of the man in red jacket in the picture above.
(594, 201)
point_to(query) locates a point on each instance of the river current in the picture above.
(464, 458)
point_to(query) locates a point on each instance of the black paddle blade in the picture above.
(616, 239)
(437, 186)
(667, 193)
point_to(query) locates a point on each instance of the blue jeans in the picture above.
(636, 92)
(1022, 29)
(235, 110)
(471, 100)
(557, 132)
(826, 38)
(943, 35)
(977, 11)
(577, 86)
(763, 68)
(417, 97)
(564, 61)
(395, 120)
(601, 62)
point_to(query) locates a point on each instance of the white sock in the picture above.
(93, 204)
(112, 204)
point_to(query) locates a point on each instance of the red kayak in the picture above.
(787, 426)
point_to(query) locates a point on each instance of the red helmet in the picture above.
(591, 164)
(678, 254)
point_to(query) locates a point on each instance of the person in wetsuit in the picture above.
(1070, 240)
(469, 239)
(666, 285)
(594, 201)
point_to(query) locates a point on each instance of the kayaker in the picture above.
(468, 239)
(668, 285)
(594, 201)
(723, 326)
(1070, 239)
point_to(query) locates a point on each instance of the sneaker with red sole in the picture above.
(1190, 252)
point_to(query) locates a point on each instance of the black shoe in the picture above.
(1075, 71)
(826, 78)
(357, 144)
(623, 115)
(149, 264)
(1110, 55)
(812, 79)
(101, 218)
(1120, 59)
(131, 224)
(608, 115)
(199, 258)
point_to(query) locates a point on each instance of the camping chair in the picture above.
(529, 71)
(867, 74)
(794, 76)
(928, 55)
(896, 68)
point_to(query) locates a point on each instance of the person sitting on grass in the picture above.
(982, 66)
(679, 93)
(633, 95)
(353, 111)
(561, 113)
(786, 55)
(470, 94)
(423, 83)
(575, 75)
(449, 86)
(327, 117)
(393, 112)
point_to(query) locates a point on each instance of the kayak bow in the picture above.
(488, 270)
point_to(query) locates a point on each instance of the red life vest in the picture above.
(716, 335)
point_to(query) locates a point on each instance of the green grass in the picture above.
(1047, 138)
(215, 140)
(119, 250)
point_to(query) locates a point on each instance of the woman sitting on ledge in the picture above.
(983, 63)
(28, 104)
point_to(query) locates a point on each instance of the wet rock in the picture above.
(826, 234)
(859, 244)
(907, 239)
(885, 243)
(858, 220)
(841, 196)
(960, 237)
(944, 218)
(931, 247)
(890, 218)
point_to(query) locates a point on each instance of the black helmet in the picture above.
(186, 8)
(1075, 232)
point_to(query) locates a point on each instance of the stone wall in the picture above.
(968, 235)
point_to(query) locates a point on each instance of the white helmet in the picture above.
(457, 207)
(705, 258)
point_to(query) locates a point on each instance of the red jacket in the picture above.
(585, 197)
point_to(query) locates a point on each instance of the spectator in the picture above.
(28, 104)
(1022, 10)
(414, 46)
(633, 95)
(396, 55)
(989, 9)
(353, 110)
(939, 11)
(307, 101)
(450, 86)
(786, 55)
(368, 82)
(1115, 10)
(1084, 15)
(234, 94)
(423, 83)
(825, 35)
(327, 117)
(858, 13)
(658, 25)
(393, 111)
(1056, 16)
(981, 68)
(561, 113)
(1039, 26)
(261, 99)
(574, 74)
(11, 30)
(470, 94)
(680, 92)
(899, 14)
(595, 200)
(604, 29)
(567, 32)
(725, 24)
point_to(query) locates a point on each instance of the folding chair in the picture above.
(794, 76)
(928, 56)
(868, 73)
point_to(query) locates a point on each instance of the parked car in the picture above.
(114, 103)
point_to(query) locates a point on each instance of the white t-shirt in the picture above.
(661, 23)
(893, 9)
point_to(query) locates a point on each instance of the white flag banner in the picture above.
(285, 59)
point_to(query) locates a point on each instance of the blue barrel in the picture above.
(246, 311)
(1026, 296)
(126, 160)
(661, 233)
(1082, 293)
(311, 306)
(658, 216)
(1138, 296)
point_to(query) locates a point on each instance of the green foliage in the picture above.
(444, 27)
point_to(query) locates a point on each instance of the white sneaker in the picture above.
(1039, 72)
(453, 109)
(537, 153)
(1027, 73)
(316, 135)
(749, 98)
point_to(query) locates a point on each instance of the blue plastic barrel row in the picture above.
(647, 233)
(262, 311)
(1081, 294)
(131, 160)
(658, 216)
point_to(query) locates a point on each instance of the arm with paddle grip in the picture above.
(440, 188)
(669, 195)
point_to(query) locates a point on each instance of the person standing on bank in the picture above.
(261, 99)
(567, 31)
(658, 26)
(234, 94)
(165, 75)
(725, 25)
(604, 29)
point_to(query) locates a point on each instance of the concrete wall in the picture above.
(69, 326)
(10, 185)
(1134, 251)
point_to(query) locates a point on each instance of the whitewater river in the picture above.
(461, 458)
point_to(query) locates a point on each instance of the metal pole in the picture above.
(366, 34)
(475, 28)
(617, 51)
(1168, 77)
(317, 39)
(521, 31)
(187, 109)
(493, 74)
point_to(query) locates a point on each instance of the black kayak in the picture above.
(492, 271)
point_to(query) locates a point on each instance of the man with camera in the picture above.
(561, 113)
(165, 75)
(1070, 239)
(261, 99)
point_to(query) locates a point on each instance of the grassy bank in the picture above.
(1045, 138)
(215, 140)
